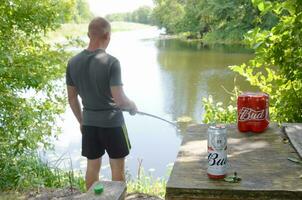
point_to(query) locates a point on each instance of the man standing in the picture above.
(95, 76)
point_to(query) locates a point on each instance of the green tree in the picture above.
(67, 11)
(230, 20)
(119, 17)
(141, 15)
(169, 14)
(217, 20)
(194, 20)
(31, 95)
(82, 13)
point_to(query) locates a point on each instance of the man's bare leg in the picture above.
(93, 170)
(117, 169)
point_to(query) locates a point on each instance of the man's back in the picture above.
(96, 77)
(93, 73)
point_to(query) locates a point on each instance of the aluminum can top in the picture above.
(253, 94)
(217, 127)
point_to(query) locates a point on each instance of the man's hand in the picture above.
(122, 101)
(74, 103)
(133, 109)
(81, 128)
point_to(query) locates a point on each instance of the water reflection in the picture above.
(191, 72)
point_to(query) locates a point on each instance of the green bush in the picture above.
(29, 172)
(217, 112)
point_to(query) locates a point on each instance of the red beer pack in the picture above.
(253, 112)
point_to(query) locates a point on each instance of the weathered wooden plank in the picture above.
(113, 190)
(259, 159)
(294, 133)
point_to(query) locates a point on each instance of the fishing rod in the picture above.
(154, 116)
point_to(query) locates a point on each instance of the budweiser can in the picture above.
(217, 151)
(253, 112)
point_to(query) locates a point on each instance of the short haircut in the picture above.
(98, 27)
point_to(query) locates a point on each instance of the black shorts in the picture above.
(95, 140)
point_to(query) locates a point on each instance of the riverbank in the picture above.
(207, 39)
(78, 30)
(65, 193)
(135, 191)
(69, 192)
(40, 180)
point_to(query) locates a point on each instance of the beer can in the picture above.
(253, 112)
(217, 152)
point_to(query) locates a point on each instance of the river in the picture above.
(165, 77)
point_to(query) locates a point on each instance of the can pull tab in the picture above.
(220, 126)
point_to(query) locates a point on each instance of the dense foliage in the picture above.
(74, 11)
(141, 15)
(81, 12)
(31, 96)
(276, 68)
(215, 20)
(169, 14)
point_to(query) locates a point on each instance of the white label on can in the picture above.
(217, 161)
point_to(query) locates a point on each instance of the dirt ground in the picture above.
(137, 196)
(62, 194)
(66, 194)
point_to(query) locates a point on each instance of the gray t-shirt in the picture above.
(92, 73)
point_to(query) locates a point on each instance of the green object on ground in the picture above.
(98, 188)
(232, 179)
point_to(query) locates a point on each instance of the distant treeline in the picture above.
(142, 15)
(212, 20)
(75, 11)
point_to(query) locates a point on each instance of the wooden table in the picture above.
(261, 160)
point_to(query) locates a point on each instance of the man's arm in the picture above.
(121, 100)
(74, 103)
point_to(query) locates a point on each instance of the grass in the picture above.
(211, 38)
(148, 185)
(127, 26)
(224, 37)
(78, 30)
(30, 173)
